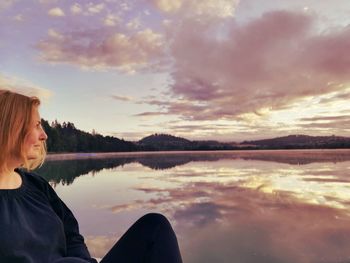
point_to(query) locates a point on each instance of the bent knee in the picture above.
(155, 219)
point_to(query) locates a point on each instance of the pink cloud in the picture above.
(328, 53)
(100, 49)
(270, 63)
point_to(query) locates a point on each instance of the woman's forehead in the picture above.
(36, 114)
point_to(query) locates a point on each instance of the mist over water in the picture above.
(279, 206)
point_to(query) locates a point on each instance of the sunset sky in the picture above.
(227, 70)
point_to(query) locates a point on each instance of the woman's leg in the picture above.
(150, 239)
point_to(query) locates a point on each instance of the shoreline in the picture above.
(288, 152)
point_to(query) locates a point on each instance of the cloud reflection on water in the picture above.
(250, 226)
(234, 210)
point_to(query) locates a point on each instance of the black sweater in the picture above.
(37, 227)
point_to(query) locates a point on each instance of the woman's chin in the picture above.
(33, 156)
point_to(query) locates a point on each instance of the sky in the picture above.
(226, 70)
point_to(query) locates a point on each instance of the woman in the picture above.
(35, 224)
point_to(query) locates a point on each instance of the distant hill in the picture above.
(301, 142)
(164, 139)
(166, 142)
(156, 142)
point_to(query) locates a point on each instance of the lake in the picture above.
(235, 206)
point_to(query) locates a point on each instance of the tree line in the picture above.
(66, 137)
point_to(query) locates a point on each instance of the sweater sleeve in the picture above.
(76, 246)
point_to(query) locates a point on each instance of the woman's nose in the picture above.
(43, 136)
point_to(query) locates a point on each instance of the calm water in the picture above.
(281, 206)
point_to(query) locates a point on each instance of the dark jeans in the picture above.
(150, 239)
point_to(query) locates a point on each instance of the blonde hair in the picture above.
(16, 113)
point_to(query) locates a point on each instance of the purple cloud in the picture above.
(268, 63)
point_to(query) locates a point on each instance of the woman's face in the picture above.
(35, 138)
